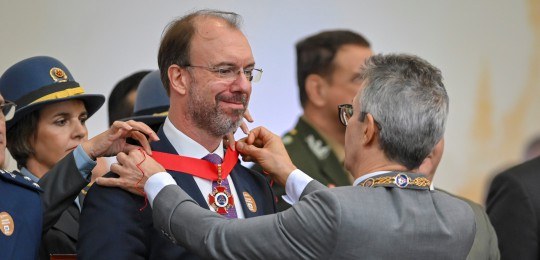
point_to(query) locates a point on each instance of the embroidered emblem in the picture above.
(317, 147)
(58, 75)
(250, 202)
(7, 226)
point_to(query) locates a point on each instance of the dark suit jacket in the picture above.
(311, 154)
(113, 226)
(20, 205)
(339, 223)
(513, 205)
(61, 185)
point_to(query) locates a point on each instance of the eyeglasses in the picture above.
(232, 72)
(8, 109)
(346, 112)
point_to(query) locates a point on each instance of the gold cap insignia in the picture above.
(58, 75)
(250, 202)
(7, 226)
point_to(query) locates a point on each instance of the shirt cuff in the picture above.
(156, 183)
(84, 163)
(295, 185)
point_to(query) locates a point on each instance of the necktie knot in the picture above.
(213, 158)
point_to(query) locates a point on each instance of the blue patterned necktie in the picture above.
(215, 159)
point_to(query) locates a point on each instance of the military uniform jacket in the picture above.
(311, 154)
(116, 224)
(20, 217)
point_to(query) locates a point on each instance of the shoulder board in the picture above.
(19, 179)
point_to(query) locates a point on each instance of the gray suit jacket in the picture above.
(339, 223)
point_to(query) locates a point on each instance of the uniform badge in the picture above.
(58, 75)
(250, 202)
(317, 147)
(401, 180)
(7, 226)
(287, 140)
(221, 200)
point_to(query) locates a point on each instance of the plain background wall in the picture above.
(489, 52)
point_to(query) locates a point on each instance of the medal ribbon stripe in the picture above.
(197, 167)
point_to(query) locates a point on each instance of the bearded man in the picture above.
(207, 67)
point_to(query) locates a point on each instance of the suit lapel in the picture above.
(244, 188)
(185, 181)
(68, 222)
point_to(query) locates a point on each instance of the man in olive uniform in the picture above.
(328, 66)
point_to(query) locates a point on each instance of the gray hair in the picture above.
(407, 98)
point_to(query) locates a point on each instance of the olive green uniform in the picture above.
(311, 154)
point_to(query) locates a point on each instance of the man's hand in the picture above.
(113, 141)
(229, 138)
(266, 148)
(134, 170)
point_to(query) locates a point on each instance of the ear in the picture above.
(316, 89)
(177, 79)
(370, 130)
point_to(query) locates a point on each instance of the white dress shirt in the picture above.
(186, 146)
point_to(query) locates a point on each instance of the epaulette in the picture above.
(20, 180)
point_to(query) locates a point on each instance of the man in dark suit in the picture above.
(390, 212)
(207, 67)
(327, 65)
(513, 205)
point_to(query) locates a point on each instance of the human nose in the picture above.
(241, 83)
(80, 131)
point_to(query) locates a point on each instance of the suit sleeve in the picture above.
(111, 225)
(306, 230)
(512, 215)
(61, 185)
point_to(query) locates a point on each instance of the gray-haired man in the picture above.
(396, 119)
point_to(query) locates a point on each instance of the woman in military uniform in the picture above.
(48, 138)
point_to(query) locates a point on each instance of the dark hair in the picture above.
(119, 107)
(176, 41)
(19, 136)
(315, 55)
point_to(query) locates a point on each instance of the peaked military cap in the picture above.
(35, 82)
(152, 102)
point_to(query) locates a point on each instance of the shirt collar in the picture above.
(366, 176)
(186, 146)
(27, 173)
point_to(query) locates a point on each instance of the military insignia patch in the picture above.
(317, 147)
(250, 202)
(7, 226)
(287, 140)
(58, 75)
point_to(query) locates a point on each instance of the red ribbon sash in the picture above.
(197, 167)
